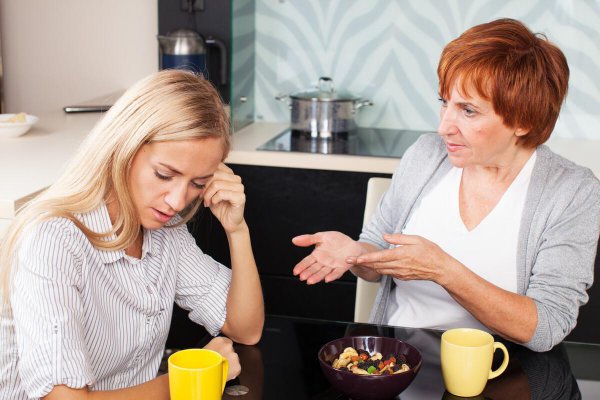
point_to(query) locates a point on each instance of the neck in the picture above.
(505, 171)
(135, 248)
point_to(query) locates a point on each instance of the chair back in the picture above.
(365, 290)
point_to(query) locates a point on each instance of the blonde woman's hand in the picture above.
(413, 258)
(225, 197)
(327, 262)
(224, 346)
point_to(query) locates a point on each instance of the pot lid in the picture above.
(325, 92)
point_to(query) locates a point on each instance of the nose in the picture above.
(447, 125)
(176, 198)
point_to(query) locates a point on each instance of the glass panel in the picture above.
(243, 43)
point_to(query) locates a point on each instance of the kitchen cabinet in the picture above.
(283, 203)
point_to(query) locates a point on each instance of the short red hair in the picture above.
(522, 74)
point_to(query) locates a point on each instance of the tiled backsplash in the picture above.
(387, 51)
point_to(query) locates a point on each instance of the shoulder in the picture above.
(55, 230)
(51, 248)
(428, 144)
(559, 172)
(422, 158)
(561, 189)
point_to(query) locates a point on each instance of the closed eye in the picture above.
(162, 177)
(200, 186)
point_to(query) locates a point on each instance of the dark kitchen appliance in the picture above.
(186, 49)
(323, 111)
(373, 142)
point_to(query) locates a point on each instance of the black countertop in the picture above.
(284, 365)
(374, 142)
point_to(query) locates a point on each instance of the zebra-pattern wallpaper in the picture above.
(387, 51)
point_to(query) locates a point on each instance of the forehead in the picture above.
(468, 86)
(194, 157)
(467, 89)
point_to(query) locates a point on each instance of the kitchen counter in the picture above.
(31, 162)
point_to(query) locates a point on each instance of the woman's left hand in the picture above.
(225, 197)
(413, 258)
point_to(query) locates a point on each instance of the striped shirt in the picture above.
(83, 316)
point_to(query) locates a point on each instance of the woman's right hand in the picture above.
(328, 260)
(224, 346)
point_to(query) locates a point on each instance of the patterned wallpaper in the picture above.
(387, 51)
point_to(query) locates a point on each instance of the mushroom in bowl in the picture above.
(383, 381)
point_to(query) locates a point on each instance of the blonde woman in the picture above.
(92, 266)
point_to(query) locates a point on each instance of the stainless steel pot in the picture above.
(323, 111)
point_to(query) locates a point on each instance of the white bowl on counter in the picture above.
(14, 129)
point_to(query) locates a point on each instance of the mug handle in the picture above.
(225, 364)
(501, 368)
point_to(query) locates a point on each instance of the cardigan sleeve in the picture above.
(563, 266)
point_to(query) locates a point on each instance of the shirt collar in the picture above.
(98, 220)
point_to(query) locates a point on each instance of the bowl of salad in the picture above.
(369, 367)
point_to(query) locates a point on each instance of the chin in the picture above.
(152, 224)
(457, 161)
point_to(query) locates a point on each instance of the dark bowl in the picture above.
(376, 387)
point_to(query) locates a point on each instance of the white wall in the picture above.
(387, 51)
(62, 52)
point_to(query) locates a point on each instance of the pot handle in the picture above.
(362, 103)
(284, 98)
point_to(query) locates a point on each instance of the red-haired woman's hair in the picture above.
(522, 74)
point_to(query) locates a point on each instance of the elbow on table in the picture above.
(250, 337)
(247, 336)
(548, 333)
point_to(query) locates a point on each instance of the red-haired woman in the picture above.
(483, 226)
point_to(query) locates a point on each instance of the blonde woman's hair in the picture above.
(170, 105)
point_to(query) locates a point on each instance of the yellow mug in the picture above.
(197, 374)
(466, 357)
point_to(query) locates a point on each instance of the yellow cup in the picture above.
(197, 374)
(466, 357)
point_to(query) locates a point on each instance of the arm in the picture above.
(494, 307)
(245, 308)
(156, 389)
(416, 258)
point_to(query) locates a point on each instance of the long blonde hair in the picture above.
(170, 105)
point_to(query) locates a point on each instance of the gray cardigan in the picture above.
(557, 239)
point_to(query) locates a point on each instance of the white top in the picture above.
(84, 316)
(489, 250)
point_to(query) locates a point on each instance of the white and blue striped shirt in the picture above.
(83, 316)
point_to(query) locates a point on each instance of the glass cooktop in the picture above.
(373, 142)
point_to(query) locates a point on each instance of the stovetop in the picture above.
(372, 142)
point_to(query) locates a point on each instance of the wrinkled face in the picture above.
(474, 134)
(167, 176)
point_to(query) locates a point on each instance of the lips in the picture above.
(162, 217)
(453, 147)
